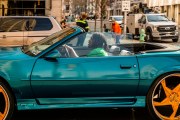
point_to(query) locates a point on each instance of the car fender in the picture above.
(171, 69)
(146, 83)
(4, 76)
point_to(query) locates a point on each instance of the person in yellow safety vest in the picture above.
(82, 22)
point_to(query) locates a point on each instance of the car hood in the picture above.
(11, 53)
(119, 22)
(163, 23)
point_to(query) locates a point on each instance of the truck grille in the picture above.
(166, 28)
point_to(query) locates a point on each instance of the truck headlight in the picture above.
(177, 27)
(155, 28)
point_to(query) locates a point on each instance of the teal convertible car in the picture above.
(64, 70)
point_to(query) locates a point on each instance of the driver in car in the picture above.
(97, 42)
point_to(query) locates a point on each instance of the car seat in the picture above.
(114, 50)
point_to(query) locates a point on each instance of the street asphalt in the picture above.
(85, 114)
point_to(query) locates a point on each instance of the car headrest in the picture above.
(114, 49)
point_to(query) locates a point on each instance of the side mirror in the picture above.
(53, 54)
(144, 22)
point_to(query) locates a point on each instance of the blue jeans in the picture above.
(118, 37)
(81, 39)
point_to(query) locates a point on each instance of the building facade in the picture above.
(116, 6)
(31, 8)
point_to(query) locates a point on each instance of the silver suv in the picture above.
(24, 30)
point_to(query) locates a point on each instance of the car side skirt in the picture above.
(32, 104)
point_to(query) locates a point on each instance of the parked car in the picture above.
(91, 16)
(24, 30)
(43, 75)
(118, 19)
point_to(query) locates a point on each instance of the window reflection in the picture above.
(15, 24)
(22, 8)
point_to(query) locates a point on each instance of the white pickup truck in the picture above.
(108, 22)
(24, 30)
(157, 26)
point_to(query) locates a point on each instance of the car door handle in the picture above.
(125, 66)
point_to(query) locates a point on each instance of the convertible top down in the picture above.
(46, 75)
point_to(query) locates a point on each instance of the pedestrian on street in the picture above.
(82, 22)
(63, 23)
(116, 29)
(69, 18)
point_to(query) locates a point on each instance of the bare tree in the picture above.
(103, 13)
(102, 6)
(79, 5)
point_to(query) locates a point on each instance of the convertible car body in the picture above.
(44, 76)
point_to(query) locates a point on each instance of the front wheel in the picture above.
(6, 103)
(148, 37)
(163, 99)
(174, 40)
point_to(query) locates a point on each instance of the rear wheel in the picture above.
(6, 103)
(163, 99)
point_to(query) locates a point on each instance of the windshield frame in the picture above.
(47, 42)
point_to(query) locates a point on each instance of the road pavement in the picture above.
(85, 114)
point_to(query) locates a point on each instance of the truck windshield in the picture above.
(118, 18)
(157, 18)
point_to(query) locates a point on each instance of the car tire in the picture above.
(163, 98)
(7, 104)
(174, 40)
(148, 37)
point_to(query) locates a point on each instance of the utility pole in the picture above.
(86, 6)
(115, 3)
(95, 15)
(60, 9)
(125, 9)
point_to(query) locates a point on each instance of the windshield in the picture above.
(43, 44)
(118, 18)
(157, 18)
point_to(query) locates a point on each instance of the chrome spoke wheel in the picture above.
(165, 97)
(4, 103)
